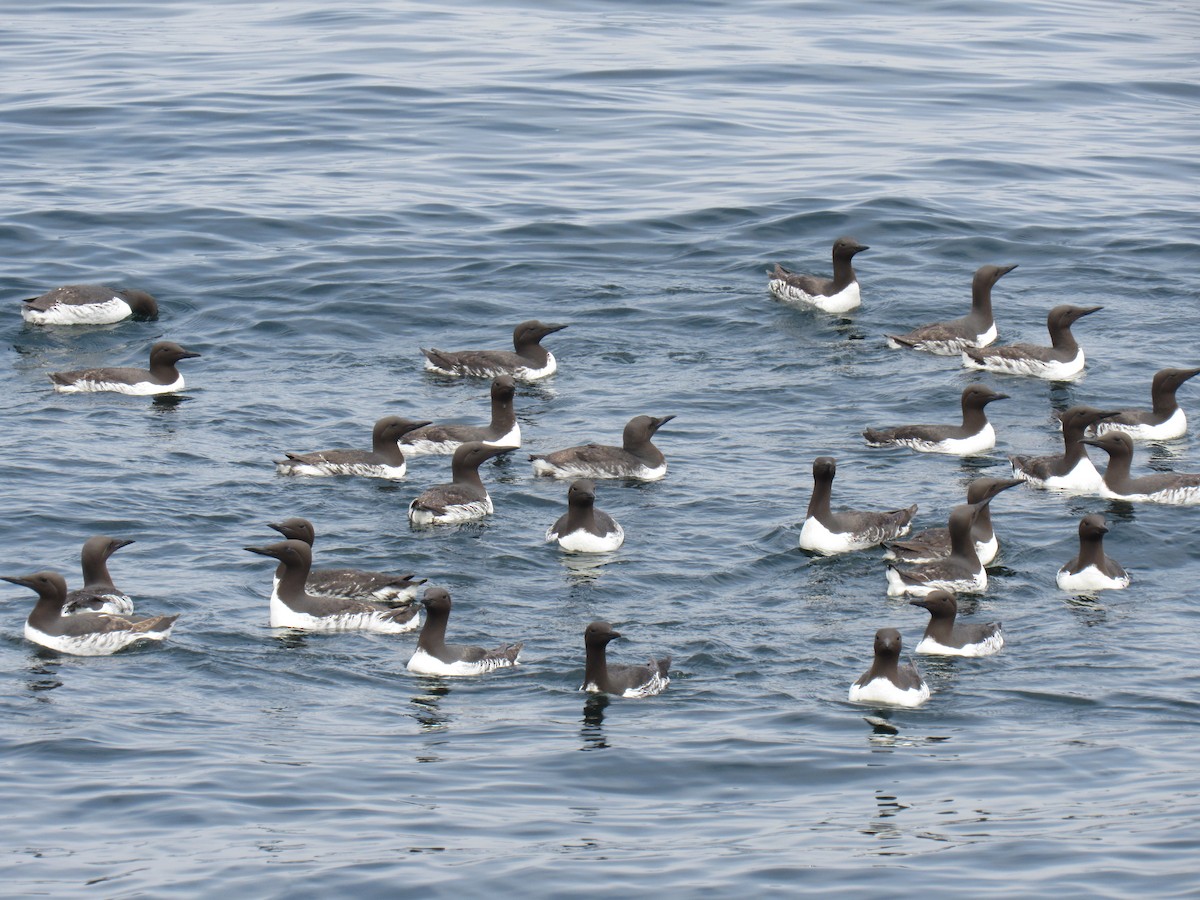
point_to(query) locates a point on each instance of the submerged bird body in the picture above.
(961, 570)
(503, 431)
(385, 459)
(1160, 487)
(976, 329)
(293, 607)
(974, 435)
(832, 295)
(434, 656)
(1061, 361)
(350, 584)
(1071, 470)
(87, 304)
(161, 378)
(886, 681)
(528, 361)
(85, 633)
(828, 532)
(1091, 569)
(583, 528)
(1164, 421)
(623, 680)
(98, 593)
(945, 637)
(464, 498)
(636, 458)
(934, 543)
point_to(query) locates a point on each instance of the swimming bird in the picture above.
(832, 295)
(974, 435)
(934, 543)
(88, 304)
(1061, 361)
(85, 633)
(349, 584)
(1071, 470)
(98, 593)
(504, 430)
(161, 378)
(293, 607)
(829, 532)
(944, 637)
(636, 458)
(1160, 487)
(960, 571)
(1092, 570)
(887, 681)
(385, 459)
(435, 657)
(530, 362)
(465, 497)
(602, 677)
(1164, 421)
(583, 528)
(976, 329)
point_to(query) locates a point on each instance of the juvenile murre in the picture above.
(624, 680)
(503, 431)
(960, 571)
(1091, 570)
(886, 681)
(828, 532)
(1070, 470)
(1161, 487)
(434, 656)
(529, 362)
(583, 528)
(465, 497)
(85, 633)
(385, 459)
(946, 637)
(636, 458)
(348, 584)
(976, 329)
(1164, 421)
(974, 435)
(161, 378)
(293, 607)
(98, 593)
(832, 295)
(87, 304)
(1061, 361)
(934, 543)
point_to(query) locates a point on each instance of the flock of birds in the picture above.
(932, 566)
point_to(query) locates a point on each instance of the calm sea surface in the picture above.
(315, 191)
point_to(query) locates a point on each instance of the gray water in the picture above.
(313, 193)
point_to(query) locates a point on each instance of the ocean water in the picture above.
(315, 192)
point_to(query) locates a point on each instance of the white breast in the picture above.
(1052, 371)
(102, 643)
(642, 473)
(460, 512)
(984, 439)
(283, 616)
(1083, 479)
(1174, 427)
(583, 541)
(845, 300)
(816, 537)
(987, 550)
(527, 374)
(324, 469)
(112, 310)
(137, 389)
(511, 439)
(897, 586)
(987, 647)
(423, 664)
(1089, 579)
(881, 690)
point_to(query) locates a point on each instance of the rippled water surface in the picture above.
(314, 192)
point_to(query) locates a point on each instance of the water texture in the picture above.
(315, 192)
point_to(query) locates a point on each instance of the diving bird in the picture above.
(385, 459)
(88, 304)
(1160, 487)
(1092, 570)
(161, 378)
(98, 593)
(974, 435)
(946, 637)
(85, 633)
(503, 431)
(529, 362)
(1061, 361)
(960, 571)
(636, 458)
(832, 295)
(828, 532)
(934, 543)
(886, 681)
(435, 657)
(976, 329)
(583, 528)
(1164, 421)
(464, 498)
(602, 677)
(1070, 470)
